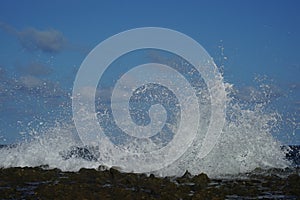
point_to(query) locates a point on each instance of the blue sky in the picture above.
(247, 39)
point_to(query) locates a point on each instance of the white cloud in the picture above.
(32, 39)
(50, 41)
(34, 69)
(30, 82)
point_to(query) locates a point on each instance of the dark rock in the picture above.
(38, 183)
(86, 153)
(201, 180)
(292, 186)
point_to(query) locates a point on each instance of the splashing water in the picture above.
(245, 144)
(246, 141)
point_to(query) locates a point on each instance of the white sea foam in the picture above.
(245, 144)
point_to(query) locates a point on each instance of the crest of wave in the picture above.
(45, 150)
(245, 144)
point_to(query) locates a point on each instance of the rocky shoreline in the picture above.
(41, 183)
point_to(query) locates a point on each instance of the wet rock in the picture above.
(292, 186)
(86, 153)
(38, 183)
(185, 178)
(201, 180)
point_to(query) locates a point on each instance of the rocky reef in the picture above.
(103, 183)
